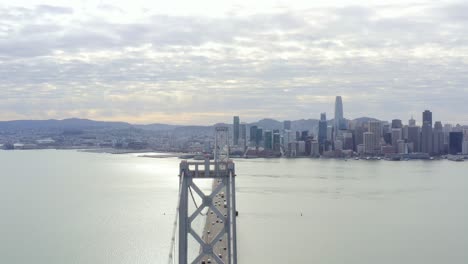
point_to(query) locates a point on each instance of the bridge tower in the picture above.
(219, 245)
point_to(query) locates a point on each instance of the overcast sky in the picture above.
(201, 62)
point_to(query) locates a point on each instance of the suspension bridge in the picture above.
(218, 241)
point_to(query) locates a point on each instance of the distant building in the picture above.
(287, 125)
(426, 138)
(375, 127)
(396, 123)
(243, 134)
(330, 133)
(396, 136)
(414, 137)
(322, 131)
(300, 148)
(268, 140)
(455, 142)
(339, 119)
(412, 122)
(276, 141)
(253, 135)
(338, 144)
(236, 130)
(402, 147)
(438, 138)
(259, 137)
(427, 117)
(369, 143)
(315, 151)
(465, 147)
(348, 142)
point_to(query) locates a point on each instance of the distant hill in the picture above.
(82, 124)
(72, 123)
(268, 124)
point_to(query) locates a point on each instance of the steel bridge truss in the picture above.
(223, 173)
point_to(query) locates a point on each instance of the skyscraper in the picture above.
(322, 132)
(236, 130)
(259, 137)
(243, 134)
(414, 137)
(455, 142)
(396, 136)
(438, 138)
(369, 144)
(426, 137)
(375, 127)
(427, 117)
(339, 122)
(412, 122)
(253, 135)
(396, 123)
(268, 139)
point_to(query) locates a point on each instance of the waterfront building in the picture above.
(259, 137)
(359, 134)
(339, 119)
(402, 147)
(375, 127)
(414, 137)
(405, 132)
(322, 131)
(387, 149)
(268, 140)
(465, 147)
(276, 141)
(329, 133)
(253, 135)
(360, 149)
(396, 136)
(338, 144)
(300, 148)
(315, 149)
(348, 143)
(426, 138)
(455, 142)
(438, 138)
(288, 137)
(236, 130)
(369, 143)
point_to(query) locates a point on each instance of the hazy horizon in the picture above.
(202, 62)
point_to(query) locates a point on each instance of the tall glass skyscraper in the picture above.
(322, 132)
(339, 121)
(236, 130)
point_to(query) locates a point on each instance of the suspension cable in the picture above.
(232, 216)
(172, 251)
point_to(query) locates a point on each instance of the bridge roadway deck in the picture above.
(214, 225)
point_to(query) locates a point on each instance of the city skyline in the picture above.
(187, 63)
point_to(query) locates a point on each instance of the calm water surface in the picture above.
(73, 207)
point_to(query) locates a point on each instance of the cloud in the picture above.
(387, 61)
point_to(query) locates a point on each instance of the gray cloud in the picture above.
(286, 65)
